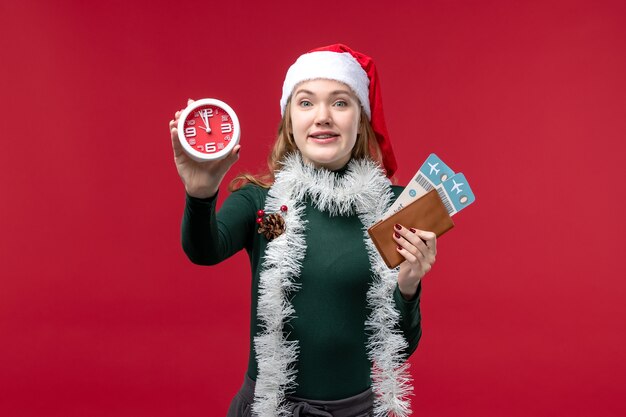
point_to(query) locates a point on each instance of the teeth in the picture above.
(323, 136)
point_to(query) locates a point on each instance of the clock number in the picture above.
(227, 128)
(203, 113)
(210, 147)
(191, 122)
(190, 131)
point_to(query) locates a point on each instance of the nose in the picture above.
(323, 116)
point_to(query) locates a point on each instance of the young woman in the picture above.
(331, 326)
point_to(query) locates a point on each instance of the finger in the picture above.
(411, 236)
(189, 101)
(224, 165)
(408, 256)
(416, 260)
(429, 245)
(176, 146)
(234, 154)
(418, 242)
(407, 245)
(173, 130)
(429, 238)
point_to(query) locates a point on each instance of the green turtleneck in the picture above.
(330, 305)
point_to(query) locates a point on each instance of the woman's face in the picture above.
(325, 122)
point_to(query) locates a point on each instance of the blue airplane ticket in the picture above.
(456, 193)
(431, 174)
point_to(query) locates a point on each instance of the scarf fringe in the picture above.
(364, 190)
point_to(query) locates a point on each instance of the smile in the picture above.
(323, 137)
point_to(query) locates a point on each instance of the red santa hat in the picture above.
(358, 71)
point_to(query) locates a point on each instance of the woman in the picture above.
(331, 325)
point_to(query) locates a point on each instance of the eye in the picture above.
(305, 103)
(341, 103)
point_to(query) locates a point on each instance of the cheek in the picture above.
(356, 125)
(298, 122)
(297, 132)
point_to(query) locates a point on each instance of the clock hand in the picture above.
(203, 121)
(206, 122)
(202, 116)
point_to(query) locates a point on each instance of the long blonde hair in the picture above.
(366, 146)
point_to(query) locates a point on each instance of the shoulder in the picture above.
(252, 189)
(252, 193)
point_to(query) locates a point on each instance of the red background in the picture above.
(101, 314)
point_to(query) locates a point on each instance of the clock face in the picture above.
(208, 129)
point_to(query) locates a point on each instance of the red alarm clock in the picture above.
(208, 129)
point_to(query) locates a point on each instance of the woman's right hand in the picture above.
(201, 179)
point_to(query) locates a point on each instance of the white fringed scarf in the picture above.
(363, 190)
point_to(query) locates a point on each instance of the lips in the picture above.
(323, 137)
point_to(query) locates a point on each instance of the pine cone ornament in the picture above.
(272, 225)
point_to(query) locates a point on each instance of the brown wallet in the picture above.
(426, 213)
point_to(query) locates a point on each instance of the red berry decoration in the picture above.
(271, 225)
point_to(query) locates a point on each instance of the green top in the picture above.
(330, 305)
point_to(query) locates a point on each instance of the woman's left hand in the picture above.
(419, 248)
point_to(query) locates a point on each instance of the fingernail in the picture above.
(396, 235)
(400, 247)
(398, 227)
(412, 230)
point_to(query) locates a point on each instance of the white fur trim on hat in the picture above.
(329, 65)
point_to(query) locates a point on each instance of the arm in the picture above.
(410, 318)
(419, 249)
(209, 237)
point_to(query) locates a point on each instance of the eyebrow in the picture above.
(332, 93)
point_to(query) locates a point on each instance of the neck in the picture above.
(330, 166)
